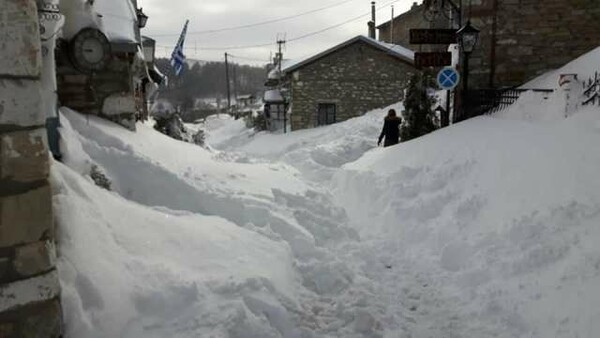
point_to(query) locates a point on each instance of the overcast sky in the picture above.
(168, 17)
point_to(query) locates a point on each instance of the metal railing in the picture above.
(487, 101)
(591, 90)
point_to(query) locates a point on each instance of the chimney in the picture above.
(414, 5)
(372, 22)
(371, 29)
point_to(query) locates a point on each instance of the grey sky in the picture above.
(168, 17)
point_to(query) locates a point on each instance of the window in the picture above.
(325, 114)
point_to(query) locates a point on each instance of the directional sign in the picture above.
(435, 59)
(448, 78)
(432, 36)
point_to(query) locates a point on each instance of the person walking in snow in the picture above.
(391, 129)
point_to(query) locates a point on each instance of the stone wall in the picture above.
(97, 93)
(531, 37)
(357, 78)
(29, 287)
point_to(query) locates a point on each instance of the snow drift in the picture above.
(488, 228)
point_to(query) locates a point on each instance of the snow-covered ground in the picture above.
(488, 228)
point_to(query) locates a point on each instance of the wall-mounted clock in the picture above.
(90, 50)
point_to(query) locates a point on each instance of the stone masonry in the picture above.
(357, 78)
(29, 287)
(521, 39)
(403, 23)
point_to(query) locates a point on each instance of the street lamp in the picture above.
(467, 39)
(142, 18)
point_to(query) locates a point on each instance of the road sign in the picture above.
(432, 36)
(434, 59)
(448, 78)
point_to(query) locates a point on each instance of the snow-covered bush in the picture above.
(99, 177)
(199, 138)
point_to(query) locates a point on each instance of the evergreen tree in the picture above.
(419, 117)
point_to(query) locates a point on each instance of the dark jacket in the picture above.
(391, 131)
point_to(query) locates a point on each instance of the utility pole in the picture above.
(391, 27)
(280, 43)
(235, 92)
(227, 82)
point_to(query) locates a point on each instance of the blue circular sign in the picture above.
(448, 78)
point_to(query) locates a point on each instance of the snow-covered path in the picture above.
(488, 228)
(457, 240)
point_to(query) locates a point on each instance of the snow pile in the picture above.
(552, 106)
(494, 221)
(317, 153)
(132, 271)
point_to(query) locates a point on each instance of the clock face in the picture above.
(90, 50)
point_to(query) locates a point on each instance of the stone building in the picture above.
(519, 39)
(29, 286)
(345, 81)
(107, 80)
(397, 31)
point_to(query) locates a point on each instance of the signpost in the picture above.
(448, 78)
(433, 59)
(432, 36)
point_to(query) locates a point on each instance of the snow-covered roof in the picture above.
(273, 95)
(400, 52)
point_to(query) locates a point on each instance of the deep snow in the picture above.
(488, 228)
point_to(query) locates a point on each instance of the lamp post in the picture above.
(467, 38)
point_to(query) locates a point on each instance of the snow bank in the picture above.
(128, 270)
(317, 152)
(584, 66)
(163, 189)
(500, 215)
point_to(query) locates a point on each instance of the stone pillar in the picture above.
(572, 91)
(29, 287)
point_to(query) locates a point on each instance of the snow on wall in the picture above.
(118, 19)
(78, 14)
(115, 18)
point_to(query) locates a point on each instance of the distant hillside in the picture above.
(208, 80)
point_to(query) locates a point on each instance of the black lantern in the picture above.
(142, 18)
(467, 37)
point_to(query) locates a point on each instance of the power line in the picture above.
(260, 23)
(295, 38)
(248, 58)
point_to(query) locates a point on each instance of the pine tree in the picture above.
(419, 117)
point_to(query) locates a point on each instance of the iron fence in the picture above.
(591, 90)
(487, 101)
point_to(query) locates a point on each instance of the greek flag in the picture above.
(177, 57)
